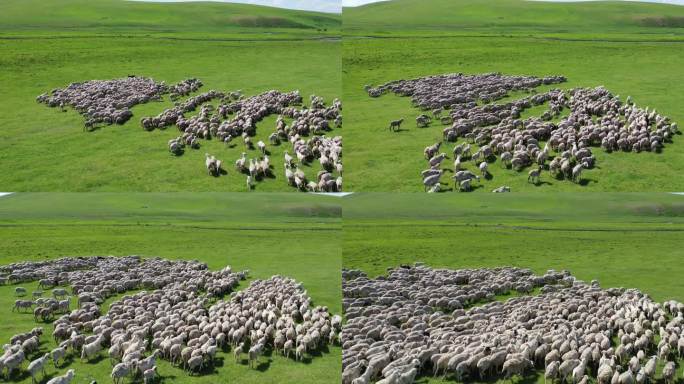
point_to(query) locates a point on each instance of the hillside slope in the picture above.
(120, 16)
(514, 16)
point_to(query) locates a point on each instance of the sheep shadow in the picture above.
(489, 176)
(541, 183)
(163, 379)
(95, 360)
(399, 130)
(584, 182)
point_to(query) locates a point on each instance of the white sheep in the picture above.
(38, 365)
(120, 371)
(64, 379)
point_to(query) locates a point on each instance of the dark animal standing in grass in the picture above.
(395, 125)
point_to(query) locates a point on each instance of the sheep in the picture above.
(253, 354)
(533, 175)
(58, 354)
(195, 363)
(120, 371)
(64, 379)
(22, 304)
(91, 349)
(13, 361)
(150, 375)
(20, 291)
(669, 371)
(577, 173)
(238, 352)
(483, 169)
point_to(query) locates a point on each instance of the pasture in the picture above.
(624, 54)
(288, 234)
(622, 240)
(112, 39)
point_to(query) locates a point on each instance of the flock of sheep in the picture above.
(233, 118)
(177, 314)
(419, 321)
(109, 101)
(466, 103)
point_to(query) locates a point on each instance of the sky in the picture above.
(330, 6)
(354, 3)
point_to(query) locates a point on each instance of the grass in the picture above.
(104, 40)
(288, 234)
(627, 60)
(407, 17)
(622, 240)
(172, 19)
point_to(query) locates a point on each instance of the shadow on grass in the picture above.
(585, 182)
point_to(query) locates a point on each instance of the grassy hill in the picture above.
(513, 16)
(119, 16)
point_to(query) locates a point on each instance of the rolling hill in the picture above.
(513, 16)
(119, 16)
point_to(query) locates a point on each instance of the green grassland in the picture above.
(288, 234)
(626, 57)
(46, 150)
(69, 17)
(622, 240)
(407, 17)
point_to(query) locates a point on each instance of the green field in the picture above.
(62, 42)
(512, 17)
(622, 240)
(289, 234)
(592, 44)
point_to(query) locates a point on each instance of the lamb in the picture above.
(238, 352)
(150, 375)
